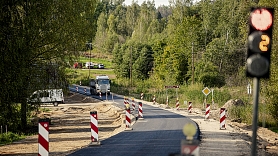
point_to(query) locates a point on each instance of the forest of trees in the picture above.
(183, 43)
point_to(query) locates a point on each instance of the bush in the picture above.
(6, 138)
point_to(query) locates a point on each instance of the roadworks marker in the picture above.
(43, 137)
(222, 118)
(94, 129)
(177, 104)
(207, 112)
(128, 119)
(189, 107)
(140, 111)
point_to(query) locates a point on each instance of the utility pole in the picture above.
(90, 59)
(192, 63)
(130, 67)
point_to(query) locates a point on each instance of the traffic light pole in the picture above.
(256, 82)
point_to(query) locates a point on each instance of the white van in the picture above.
(53, 96)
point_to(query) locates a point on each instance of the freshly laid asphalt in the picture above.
(160, 133)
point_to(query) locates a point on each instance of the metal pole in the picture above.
(256, 82)
(90, 59)
(192, 63)
(130, 66)
(212, 101)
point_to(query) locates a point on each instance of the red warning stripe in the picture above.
(222, 118)
(44, 143)
(127, 119)
(94, 127)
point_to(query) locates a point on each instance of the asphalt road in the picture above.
(158, 134)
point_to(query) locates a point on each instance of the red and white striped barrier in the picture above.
(43, 137)
(94, 128)
(177, 104)
(140, 110)
(142, 95)
(154, 99)
(124, 100)
(85, 91)
(99, 94)
(127, 101)
(128, 119)
(207, 112)
(222, 118)
(76, 89)
(189, 107)
(133, 104)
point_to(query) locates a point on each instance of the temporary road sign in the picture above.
(206, 91)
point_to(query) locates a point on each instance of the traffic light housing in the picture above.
(259, 42)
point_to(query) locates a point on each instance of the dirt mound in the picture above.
(77, 98)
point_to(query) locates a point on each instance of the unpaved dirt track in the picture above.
(70, 127)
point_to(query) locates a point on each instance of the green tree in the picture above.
(38, 34)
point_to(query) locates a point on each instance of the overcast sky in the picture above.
(157, 2)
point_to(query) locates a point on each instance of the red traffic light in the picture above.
(261, 19)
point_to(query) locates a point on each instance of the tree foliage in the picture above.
(38, 39)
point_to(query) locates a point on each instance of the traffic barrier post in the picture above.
(43, 138)
(142, 94)
(133, 104)
(140, 110)
(222, 118)
(128, 119)
(94, 128)
(207, 111)
(154, 99)
(189, 107)
(177, 104)
(124, 100)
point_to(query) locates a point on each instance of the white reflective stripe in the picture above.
(196, 151)
(94, 134)
(43, 132)
(43, 151)
(208, 108)
(223, 113)
(94, 121)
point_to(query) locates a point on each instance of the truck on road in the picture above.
(100, 85)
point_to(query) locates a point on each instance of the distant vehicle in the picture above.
(100, 85)
(100, 66)
(53, 96)
(77, 65)
(89, 65)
